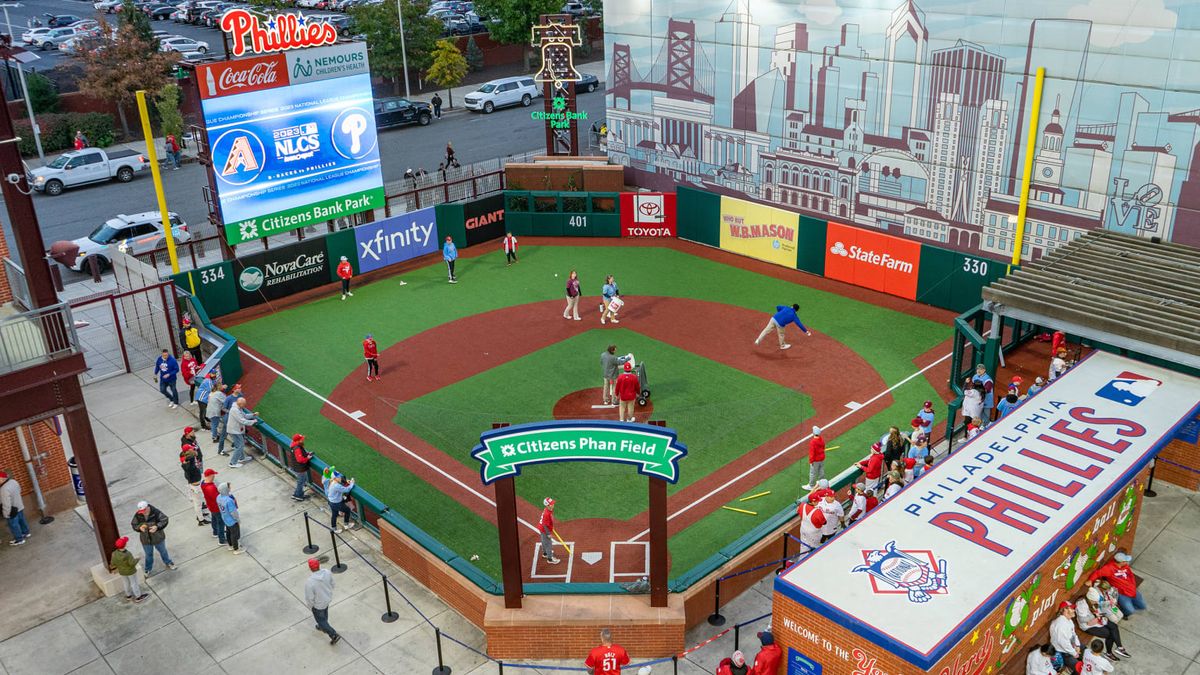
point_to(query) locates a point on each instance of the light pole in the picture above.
(21, 56)
(403, 51)
(6, 5)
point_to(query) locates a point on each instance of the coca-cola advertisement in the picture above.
(240, 76)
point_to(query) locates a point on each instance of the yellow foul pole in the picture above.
(152, 155)
(1027, 176)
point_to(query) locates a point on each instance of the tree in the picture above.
(130, 15)
(43, 95)
(474, 55)
(448, 68)
(166, 101)
(381, 25)
(122, 65)
(516, 18)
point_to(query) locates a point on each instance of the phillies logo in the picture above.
(279, 33)
(261, 75)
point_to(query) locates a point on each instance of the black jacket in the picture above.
(191, 470)
(152, 517)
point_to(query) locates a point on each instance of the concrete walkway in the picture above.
(220, 613)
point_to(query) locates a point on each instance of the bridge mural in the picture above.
(911, 117)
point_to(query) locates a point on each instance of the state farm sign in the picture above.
(872, 260)
(239, 76)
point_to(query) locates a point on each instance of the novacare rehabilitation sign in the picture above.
(654, 450)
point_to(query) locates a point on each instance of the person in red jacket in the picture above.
(546, 529)
(734, 665)
(345, 271)
(371, 354)
(816, 458)
(628, 388)
(607, 658)
(1118, 573)
(767, 661)
(509, 243)
(208, 487)
(188, 367)
(301, 459)
(872, 467)
(818, 495)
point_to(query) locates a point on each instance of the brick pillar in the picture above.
(50, 465)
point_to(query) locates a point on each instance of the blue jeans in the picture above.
(215, 422)
(339, 507)
(167, 389)
(239, 448)
(148, 549)
(1130, 605)
(218, 527)
(322, 618)
(301, 483)
(20, 528)
(224, 434)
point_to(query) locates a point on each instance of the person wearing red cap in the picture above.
(208, 486)
(301, 459)
(13, 509)
(816, 458)
(188, 367)
(192, 474)
(1063, 637)
(926, 415)
(628, 389)
(126, 565)
(872, 467)
(607, 658)
(812, 521)
(546, 529)
(318, 594)
(345, 272)
(371, 355)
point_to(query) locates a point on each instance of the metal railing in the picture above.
(452, 184)
(39, 336)
(16, 281)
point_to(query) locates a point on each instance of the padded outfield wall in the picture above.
(910, 117)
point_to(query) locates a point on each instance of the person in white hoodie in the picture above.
(1040, 661)
(318, 594)
(13, 508)
(1062, 635)
(835, 515)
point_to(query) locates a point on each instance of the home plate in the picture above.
(853, 405)
(357, 414)
(591, 557)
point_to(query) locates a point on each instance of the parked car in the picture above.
(80, 44)
(55, 37)
(60, 20)
(502, 92)
(140, 233)
(396, 112)
(30, 37)
(90, 165)
(107, 6)
(183, 44)
(159, 12)
(587, 84)
(457, 25)
(577, 9)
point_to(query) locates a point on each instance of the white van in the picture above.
(503, 92)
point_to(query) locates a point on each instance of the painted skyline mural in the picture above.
(911, 117)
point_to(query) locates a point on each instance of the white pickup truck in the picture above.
(90, 165)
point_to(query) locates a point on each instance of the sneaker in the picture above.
(128, 597)
(334, 640)
(343, 297)
(297, 499)
(170, 565)
(566, 317)
(338, 530)
(758, 341)
(234, 466)
(630, 420)
(806, 487)
(141, 597)
(1121, 651)
(614, 320)
(553, 561)
(785, 346)
(239, 551)
(453, 281)
(578, 319)
(1112, 657)
(201, 523)
(350, 294)
(16, 542)
(351, 525)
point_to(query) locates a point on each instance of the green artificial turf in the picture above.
(318, 344)
(718, 412)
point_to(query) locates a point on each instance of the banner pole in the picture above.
(152, 155)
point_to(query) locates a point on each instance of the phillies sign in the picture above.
(240, 76)
(278, 33)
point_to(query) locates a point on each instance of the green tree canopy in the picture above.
(381, 26)
(516, 17)
(122, 65)
(449, 67)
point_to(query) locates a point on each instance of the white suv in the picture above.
(503, 92)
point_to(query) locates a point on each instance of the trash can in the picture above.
(75, 477)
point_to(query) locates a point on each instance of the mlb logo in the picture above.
(1129, 388)
(648, 209)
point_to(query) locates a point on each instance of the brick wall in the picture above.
(1181, 465)
(986, 648)
(574, 642)
(53, 475)
(5, 291)
(431, 572)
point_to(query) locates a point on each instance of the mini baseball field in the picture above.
(494, 348)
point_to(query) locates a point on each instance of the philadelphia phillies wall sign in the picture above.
(924, 569)
(396, 239)
(648, 214)
(484, 219)
(280, 272)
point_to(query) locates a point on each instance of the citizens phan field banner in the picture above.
(759, 231)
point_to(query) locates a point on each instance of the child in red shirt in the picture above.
(371, 354)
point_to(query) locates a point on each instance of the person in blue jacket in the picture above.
(782, 317)
(450, 254)
(166, 370)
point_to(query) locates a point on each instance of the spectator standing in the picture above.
(14, 509)
(818, 494)
(203, 393)
(1094, 661)
(450, 160)
(919, 452)
(972, 405)
(609, 362)
(988, 390)
(301, 459)
(628, 389)
(336, 493)
(80, 141)
(858, 504)
(208, 487)
(189, 438)
(125, 564)
(216, 412)
(778, 321)
(608, 291)
(572, 297)
(345, 272)
(151, 525)
(607, 658)
(192, 474)
(1058, 341)
(1058, 364)
(766, 662)
(191, 339)
(927, 416)
(371, 356)
(546, 529)
(872, 467)
(509, 244)
(816, 458)
(239, 420)
(450, 254)
(1091, 620)
(1063, 637)
(166, 371)
(318, 594)
(228, 506)
(436, 102)
(812, 521)
(173, 152)
(835, 515)
(1038, 384)
(1007, 404)
(1118, 573)
(188, 366)
(895, 446)
(734, 665)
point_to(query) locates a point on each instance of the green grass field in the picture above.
(318, 345)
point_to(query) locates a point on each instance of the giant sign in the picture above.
(872, 260)
(648, 214)
(396, 239)
(930, 563)
(280, 272)
(654, 450)
(483, 219)
(759, 231)
(291, 153)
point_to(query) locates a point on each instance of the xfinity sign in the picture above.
(396, 239)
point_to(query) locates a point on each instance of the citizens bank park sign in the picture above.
(929, 564)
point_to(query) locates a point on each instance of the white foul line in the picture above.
(793, 446)
(380, 434)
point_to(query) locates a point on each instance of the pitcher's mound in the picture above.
(578, 406)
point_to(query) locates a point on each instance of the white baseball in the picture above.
(556, 275)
